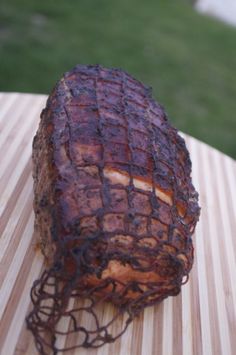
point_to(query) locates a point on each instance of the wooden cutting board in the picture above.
(201, 320)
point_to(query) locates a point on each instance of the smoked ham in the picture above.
(114, 203)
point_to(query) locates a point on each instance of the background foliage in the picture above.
(187, 58)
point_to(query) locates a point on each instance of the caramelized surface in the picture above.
(114, 203)
(109, 166)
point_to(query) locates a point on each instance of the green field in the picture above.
(188, 59)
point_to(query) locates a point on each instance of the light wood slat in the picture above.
(137, 333)
(211, 190)
(201, 320)
(20, 137)
(148, 331)
(8, 102)
(218, 239)
(21, 309)
(8, 185)
(230, 186)
(229, 260)
(177, 324)
(187, 331)
(167, 335)
(195, 306)
(201, 268)
(158, 329)
(64, 326)
(212, 254)
(13, 120)
(126, 341)
(17, 260)
(15, 219)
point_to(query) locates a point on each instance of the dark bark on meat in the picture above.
(114, 203)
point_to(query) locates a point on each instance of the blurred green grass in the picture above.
(188, 59)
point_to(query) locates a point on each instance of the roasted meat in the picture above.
(114, 204)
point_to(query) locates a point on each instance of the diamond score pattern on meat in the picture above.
(114, 204)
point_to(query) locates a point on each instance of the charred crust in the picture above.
(125, 236)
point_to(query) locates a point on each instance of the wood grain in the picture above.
(201, 320)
